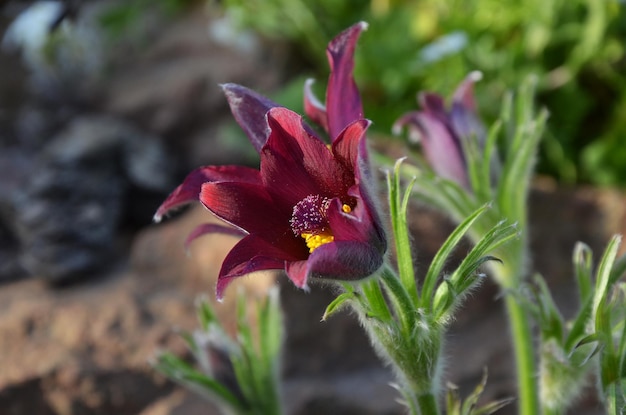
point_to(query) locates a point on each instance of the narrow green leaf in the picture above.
(496, 237)
(506, 116)
(436, 266)
(489, 153)
(516, 174)
(444, 299)
(337, 304)
(551, 323)
(403, 307)
(492, 407)
(585, 352)
(474, 162)
(579, 326)
(398, 209)
(206, 316)
(467, 273)
(472, 399)
(604, 272)
(583, 270)
(618, 270)
(180, 371)
(375, 301)
(270, 327)
(453, 401)
(244, 333)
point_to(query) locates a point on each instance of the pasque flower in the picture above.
(442, 132)
(310, 208)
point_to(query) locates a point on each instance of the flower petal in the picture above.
(249, 109)
(189, 190)
(464, 94)
(343, 101)
(247, 206)
(434, 105)
(251, 254)
(362, 224)
(295, 164)
(463, 117)
(442, 148)
(298, 273)
(346, 146)
(313, 108)
(342, 260)
(211, 228)
(354, 147)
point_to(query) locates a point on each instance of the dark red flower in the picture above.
(309, 210)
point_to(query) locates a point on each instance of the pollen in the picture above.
(309, 220)
(309, 215)
(314, 241)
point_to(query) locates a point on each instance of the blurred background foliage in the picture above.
(574, 47)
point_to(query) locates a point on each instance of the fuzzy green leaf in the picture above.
(579, 326)
(436, 266)
(180, 371)
(375, 303)
(551, 321)
(398, 209)
(337, 304)
(583, 269)
(603, 277)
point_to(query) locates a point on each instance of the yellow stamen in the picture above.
(315, 240)
(346, 209)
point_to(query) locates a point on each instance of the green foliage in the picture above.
(574, 48)
(406, 323)
(593, 339)
(469, 406)
(240, 374)
(119, 17)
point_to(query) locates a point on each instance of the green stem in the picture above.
(427, 404)
(524, 356)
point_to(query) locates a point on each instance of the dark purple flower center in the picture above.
(309, 215)
(309, 221)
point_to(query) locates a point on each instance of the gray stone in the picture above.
(69, 211)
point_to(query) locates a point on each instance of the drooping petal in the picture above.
(295, 164)
(343, 101)
(206, 228)
(252, 254)
(189, 190)
(249, 109)
(247, 206)
(342, 260)
(298, 273)
(313, 108)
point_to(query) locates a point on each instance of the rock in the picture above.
(67, 215)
